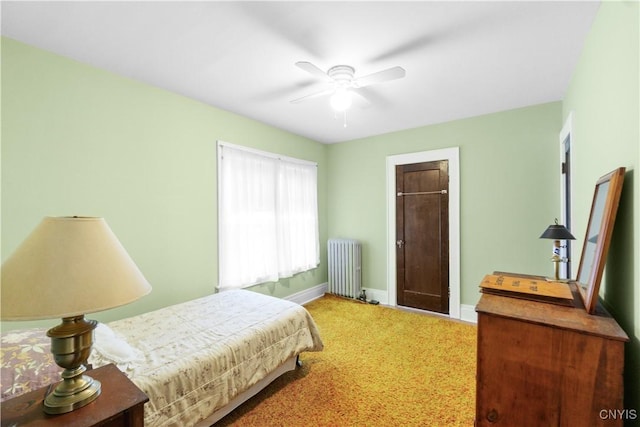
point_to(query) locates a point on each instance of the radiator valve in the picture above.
(363, 296)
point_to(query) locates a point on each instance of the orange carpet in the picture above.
(380, 367)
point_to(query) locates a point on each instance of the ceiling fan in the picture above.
(342, 82)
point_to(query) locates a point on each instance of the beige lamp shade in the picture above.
(69, 266)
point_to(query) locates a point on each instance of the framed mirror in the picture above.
(599, 229)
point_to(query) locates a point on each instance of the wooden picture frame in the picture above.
(598, 237)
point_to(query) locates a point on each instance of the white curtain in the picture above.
(268, 217)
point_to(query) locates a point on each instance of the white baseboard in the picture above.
(379, 295)
(308, 295)
(468, 313)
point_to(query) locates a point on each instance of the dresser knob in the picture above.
(492, 416)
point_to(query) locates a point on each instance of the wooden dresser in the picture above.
(121, 404)
(541, 364)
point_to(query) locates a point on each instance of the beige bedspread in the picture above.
(193, 358)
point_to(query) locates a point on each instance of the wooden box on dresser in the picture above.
(542, 364)
(120, 404)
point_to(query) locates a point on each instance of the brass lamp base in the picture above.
(556, 269)
(72, 393)
(71, 344)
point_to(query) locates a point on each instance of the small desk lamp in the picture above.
(557, 232)
(69, 266)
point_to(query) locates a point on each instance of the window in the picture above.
(268, 216)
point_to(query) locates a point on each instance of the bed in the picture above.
(196, 361)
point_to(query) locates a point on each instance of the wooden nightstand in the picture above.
(121, 404)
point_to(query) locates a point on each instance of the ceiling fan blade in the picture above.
(313, 70)
(313, 95)
(364, 101)
(381, 76)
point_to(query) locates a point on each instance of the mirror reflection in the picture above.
(593, 231)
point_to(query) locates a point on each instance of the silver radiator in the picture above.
(345, 267)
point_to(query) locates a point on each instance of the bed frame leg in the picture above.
(298, 361)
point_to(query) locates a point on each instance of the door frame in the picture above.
(566, 134)
(452, 156)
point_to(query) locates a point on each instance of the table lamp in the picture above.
(69, 266)
(557, 232)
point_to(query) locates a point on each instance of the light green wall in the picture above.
(509, 191)
(81, 141)
(604, 98)
(76, 140)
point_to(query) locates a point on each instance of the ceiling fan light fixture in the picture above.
(341, 99)
(343, 84)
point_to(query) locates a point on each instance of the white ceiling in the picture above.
(462, 59)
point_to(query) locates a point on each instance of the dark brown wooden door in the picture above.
(422, 233)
